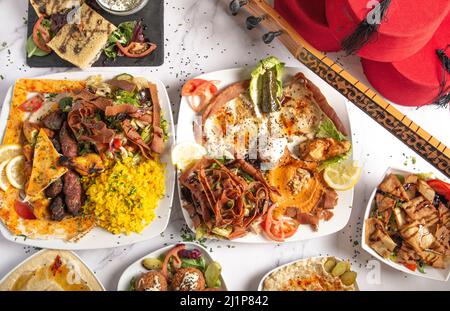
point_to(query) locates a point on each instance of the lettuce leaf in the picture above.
(327, 129)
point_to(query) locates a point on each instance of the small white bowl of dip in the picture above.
(122, 7)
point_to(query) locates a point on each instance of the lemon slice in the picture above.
(15, 172)
(343, 175)
(7, 152)
(4, 183)
(185, 154)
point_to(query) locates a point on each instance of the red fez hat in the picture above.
(309, 19)
(418, 80)
(404, 28)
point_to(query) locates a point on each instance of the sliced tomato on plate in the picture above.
(41, 35)
(136, 49)
(202, 89)
(441, 187)
(33, 104)
(24, 210)
(279, 228)
(411, 266)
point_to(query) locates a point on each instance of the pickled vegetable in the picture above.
(348, 278)
(212, 274)
(329, 265)
(152, 263)
(124, 76)
(339, 269)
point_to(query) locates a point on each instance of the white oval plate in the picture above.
(261, 283)
(343, 209)
(136, 267)
(99, 238)
(55, 252)
(430, 272)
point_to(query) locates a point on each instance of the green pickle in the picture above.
(329, 265)
(348, 278)
(339, 269)
(212, 274)
(152, 263)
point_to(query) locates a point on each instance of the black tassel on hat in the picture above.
(365, 30)
(443, 97)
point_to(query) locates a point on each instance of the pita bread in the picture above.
(49, 7)
(82, 43)
(45, 165)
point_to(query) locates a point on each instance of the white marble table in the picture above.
(200, 37)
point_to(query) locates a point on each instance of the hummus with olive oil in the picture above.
(51, 270)
(305, 275)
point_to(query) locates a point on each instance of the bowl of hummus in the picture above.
(311, 274)
(51, 270)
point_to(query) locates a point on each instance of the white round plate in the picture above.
(136, 267)
(261, 283)
(344, 207)
(45, 251)
(99, 238)
(430, 272)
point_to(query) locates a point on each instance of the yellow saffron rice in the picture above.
(124, 197)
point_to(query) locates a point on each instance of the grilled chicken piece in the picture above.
(86, 165)
(411, 179)
(392, 185)
(30, 131)
(321, 149)
(420, 208)
(433, 259)
(425, 190)
(400, 217)
(444, 215)
(384, 203)
(378, 239)
(407, 255)
(418, 236)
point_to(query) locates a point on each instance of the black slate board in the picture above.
(153, 17)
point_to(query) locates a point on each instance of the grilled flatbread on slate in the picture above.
(81, 44)
(49, 7)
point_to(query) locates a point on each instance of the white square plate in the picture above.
(430, 272)
(343, 209)
(99, 238)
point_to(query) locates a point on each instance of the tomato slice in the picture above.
(411, 266)
(116, 143)
(440, 187)
(136, 49)
(24, 210)
(32, 104)
(279, 229)
(203, 89)
(41, 36)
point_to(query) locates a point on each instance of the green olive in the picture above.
(152, 263)
(348, 278)
(339, 269)
(329, 264)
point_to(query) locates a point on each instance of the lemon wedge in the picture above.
(342, 176)
(185, 154)
(7, 152)
(15, 171)
(4, 183)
